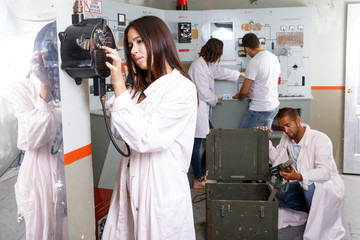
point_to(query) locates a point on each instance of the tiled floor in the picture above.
(10, 229)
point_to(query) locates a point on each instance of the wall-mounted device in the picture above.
(83, 57)
(181, 5)
(81, 53)
(240, 42)
(184, 32)
(262, 41)
(242, 53)
(121, 19)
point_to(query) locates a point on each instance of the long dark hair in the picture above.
(212, 50)
(160, 46)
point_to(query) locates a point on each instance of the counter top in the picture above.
(280, 98)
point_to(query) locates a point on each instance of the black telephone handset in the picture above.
(102, 36)
(129, 82)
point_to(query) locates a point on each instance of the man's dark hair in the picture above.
(290, 112)
(250, 40)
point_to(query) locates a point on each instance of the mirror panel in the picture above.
(32, 176)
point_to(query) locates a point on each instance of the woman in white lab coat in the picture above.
(151, 197)
(203, 72)
(317, 166)
(40, 186)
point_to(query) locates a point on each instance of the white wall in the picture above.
(328, 31)
(328, 55)
(76, 134)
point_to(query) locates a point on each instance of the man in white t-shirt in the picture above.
(260, 84)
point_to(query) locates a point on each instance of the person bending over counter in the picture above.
(203, 71)
(315, 185)
(260, 84)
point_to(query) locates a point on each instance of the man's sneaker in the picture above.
(200, 184)
(210, 181)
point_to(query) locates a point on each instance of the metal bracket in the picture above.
(83, 42)
(262, 211)
(223, 209)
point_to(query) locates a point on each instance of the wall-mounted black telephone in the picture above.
(81, 53)
(83, 57)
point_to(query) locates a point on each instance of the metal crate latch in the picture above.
(262, 211)
(223, 209)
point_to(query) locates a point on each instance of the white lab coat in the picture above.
(203, 75)
(151, 198)
(40, 187)
(316, 165)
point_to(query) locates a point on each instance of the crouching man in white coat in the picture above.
(315, 185)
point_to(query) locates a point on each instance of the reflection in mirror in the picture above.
(32, 179)
(224, 31)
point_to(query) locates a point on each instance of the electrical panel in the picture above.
(285, 32)
(184, 32)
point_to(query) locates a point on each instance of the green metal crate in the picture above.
(234, 209)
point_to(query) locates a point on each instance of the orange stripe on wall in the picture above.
(77, 154)
(327, 87)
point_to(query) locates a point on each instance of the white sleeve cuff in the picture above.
(44, 106)
(305, 182)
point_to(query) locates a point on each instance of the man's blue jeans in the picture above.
(256, 119)
(198, 163)
(296, 197)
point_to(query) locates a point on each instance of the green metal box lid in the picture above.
(234, 155)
